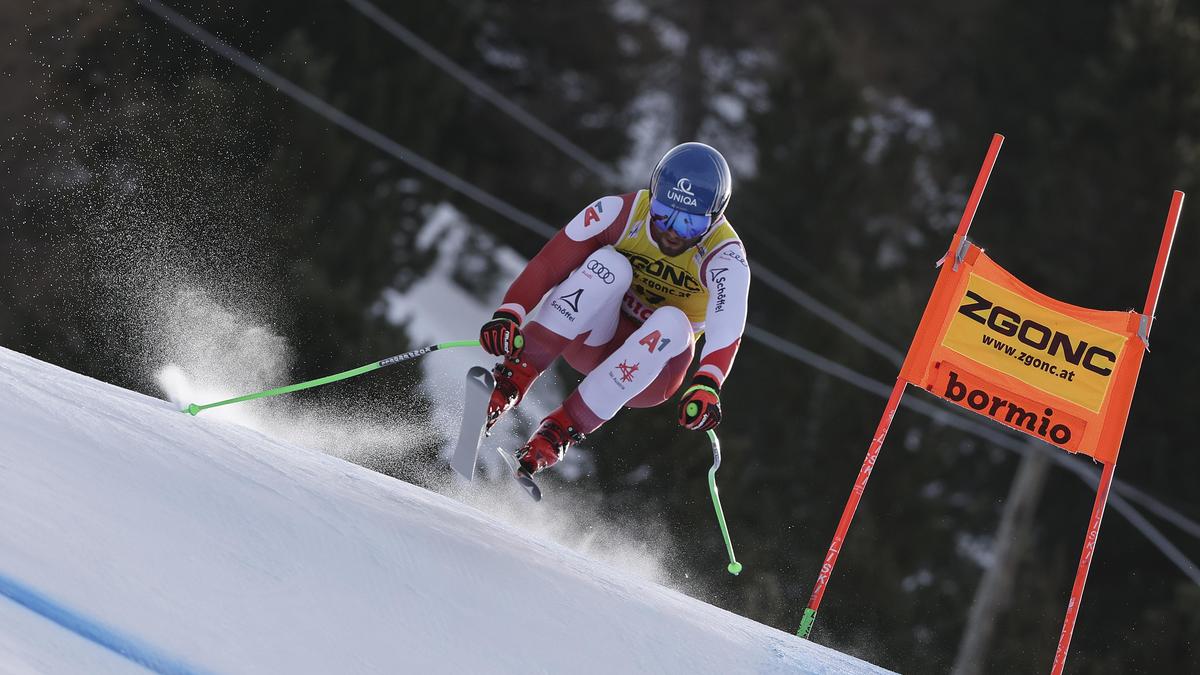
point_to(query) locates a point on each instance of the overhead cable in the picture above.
(483, 90)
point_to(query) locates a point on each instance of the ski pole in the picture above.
(735, 567)
(195, 409)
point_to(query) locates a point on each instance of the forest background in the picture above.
(134, 158)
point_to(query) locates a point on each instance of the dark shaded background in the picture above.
(856, 128)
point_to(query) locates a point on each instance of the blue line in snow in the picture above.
(127, 646)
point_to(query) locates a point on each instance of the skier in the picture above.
(630, 284)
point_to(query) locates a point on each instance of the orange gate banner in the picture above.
(1058, 372)
(991, 344)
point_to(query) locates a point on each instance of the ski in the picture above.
(470, 434)
(523, 478)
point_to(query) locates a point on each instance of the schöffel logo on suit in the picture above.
(604, 274)
(570, 300)
(718, 280)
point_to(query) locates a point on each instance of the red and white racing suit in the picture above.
(624, 313)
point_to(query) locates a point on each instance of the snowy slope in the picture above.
(131, 533)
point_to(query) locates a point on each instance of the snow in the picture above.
(31, 643)
(133, 534)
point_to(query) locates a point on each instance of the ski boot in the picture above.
(548, 444)
(513, 378)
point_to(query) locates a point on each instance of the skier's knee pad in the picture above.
(608, 270)
(589, 299)
(671, 323)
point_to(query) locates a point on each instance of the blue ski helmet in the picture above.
(690, 188)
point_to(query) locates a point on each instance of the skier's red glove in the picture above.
(502, 335)
(700, 408)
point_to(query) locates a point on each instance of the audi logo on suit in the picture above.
(601, 271)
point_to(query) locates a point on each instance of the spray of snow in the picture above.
(198, 323)
(212, 352)
(217, 353)
(180, 256)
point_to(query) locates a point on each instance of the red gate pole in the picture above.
(1093, 531)
(1085, 563)
(860, 485)
(889, 412)
(981, 181)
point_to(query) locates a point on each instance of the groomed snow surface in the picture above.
(135, 537)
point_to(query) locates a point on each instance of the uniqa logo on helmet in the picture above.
(689, 168)
(682, 192)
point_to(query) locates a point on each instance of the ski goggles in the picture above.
(686, 225)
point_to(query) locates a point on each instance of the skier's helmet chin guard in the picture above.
(690, 189)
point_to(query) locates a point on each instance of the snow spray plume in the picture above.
(178, 227)
(642, 549)
(207, 339)
(214, 353)
(179, 235)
